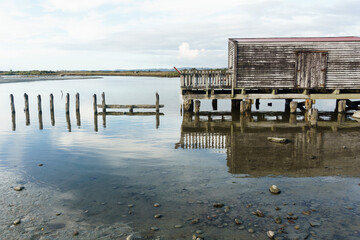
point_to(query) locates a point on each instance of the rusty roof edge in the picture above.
(299, 39)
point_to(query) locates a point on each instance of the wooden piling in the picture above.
(248, 105)
(39, 104)
(26, 99)
(95, 104)
(308, 104)
(68, 121)
(197, 106)
(342, 106)
(52, 114)
(157, 102)
(157, 119)
(13, 121)
(214, 104)
(12, 105)
(26, 109)
(188, 105)
(78, 119)
(77, 100)
(67, 104)
(40, 120)
(293, 106)
(242, 107)
(292, 119)
(313, 115)
(103, 102)
(95, 121)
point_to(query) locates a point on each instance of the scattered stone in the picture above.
(103, 203)
(18, 188)
(278, 140)
(306, 213)
(274, 189)
(199, 232)
(290, 214)
(241, 227)
(131, 205)
(250, 230)
(40, 164)
(278, 220)
(237, 221)
(315, 224)
(270, 234)
(75, 233)
(156, 205)
(226, 209)
(130, 237)
(86, 211)
(196, 220)
(297, 227)
(344, 147)
(178, 226)
(17, 221)
(157, 216)
(277, 208)
(249, 205)
(154, 229)
(258, 213)
(218, 205)
(58, 214)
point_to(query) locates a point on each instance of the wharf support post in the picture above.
(188, 105)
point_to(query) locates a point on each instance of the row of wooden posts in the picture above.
(244, 106)
(103, 106)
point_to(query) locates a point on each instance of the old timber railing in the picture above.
(206, 79)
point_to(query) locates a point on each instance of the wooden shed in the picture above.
(327, 63)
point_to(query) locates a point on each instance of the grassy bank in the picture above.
(94, 73)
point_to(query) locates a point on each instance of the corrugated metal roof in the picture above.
(299, 39)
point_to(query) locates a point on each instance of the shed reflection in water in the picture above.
(328, 149)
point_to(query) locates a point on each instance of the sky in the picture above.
(137, 34)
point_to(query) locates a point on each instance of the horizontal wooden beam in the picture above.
(129, 106)
(131, 113)
(271, 96)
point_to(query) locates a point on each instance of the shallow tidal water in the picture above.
(101, 178)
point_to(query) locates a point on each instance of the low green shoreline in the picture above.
(167, 74)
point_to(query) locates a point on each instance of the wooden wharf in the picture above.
(279, 68)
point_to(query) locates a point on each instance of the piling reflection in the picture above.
(13, 121)
(327, 149)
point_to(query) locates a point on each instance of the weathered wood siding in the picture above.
(273, 64)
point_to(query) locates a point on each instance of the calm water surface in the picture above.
(101, 175)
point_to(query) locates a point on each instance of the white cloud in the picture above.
(187, 53)
(77, 5)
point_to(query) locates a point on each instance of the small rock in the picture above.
(306, 213)
(277, 208)
(344, 147)
(315, 224)
(58, 214)
(199, 232)
(156, 205)
(18, 188)
(241, 227)
(250, 230)
(270, 234)
(75, 233)
(226, 209)
(178, 226)
(130, 237)
(290, 214)
(274, 189)
(157, 216)
(196, 220)
(40, 164)
(278, 220)
(218, 205)
(258, 213)
(131, 205)
(154, 229)
(249, 205)
(237, 221)
(297, 227)
(17, 221)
